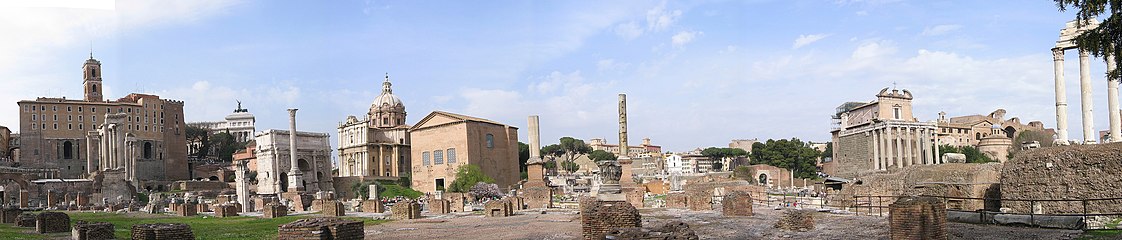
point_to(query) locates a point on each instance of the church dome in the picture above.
(387, 101)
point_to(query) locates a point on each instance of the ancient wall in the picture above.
(228, 210)
(917, 218)
(26, 219)
(92, 231)
(162, 231)
(186, 209)
(601, 217)
(373, 206)
(498, 208)
(52, 222)
(677, 200)
(853, 156)
(1067, 172)
(201, 185)
(456, 201)
(9, 214)
(538, 196)
(971, 180)
(321, 228)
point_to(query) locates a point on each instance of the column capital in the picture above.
(1057, 54)
(1083, 54)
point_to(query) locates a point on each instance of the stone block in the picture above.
(92, 231)
(9, 215)
(737, 203)
(331, 208)
(321, 228)
(52, 222)
(796, 220)
(917, 218)
(677, 200)
(162, 231)
(601, 217)
(406, 210)
(228, 210)
(274, 210)
(26, 219)
(439, 206)
(186, 209)
(538, 196)
(498, 208)
(373, 206)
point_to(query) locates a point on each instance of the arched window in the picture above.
(147, 150)
(490, 141)
(93, 88)
(67, 150)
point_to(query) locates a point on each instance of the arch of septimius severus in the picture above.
(1089, 135)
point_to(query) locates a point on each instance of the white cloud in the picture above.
(940, 29)
(628, 30)
(610, 65)
(804, 40)
(659, 18)
(684, 37)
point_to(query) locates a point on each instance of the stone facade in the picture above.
(275, 210)
(967, 180)
(881, 135)
(601, 217)
(1065, 172)
(162, 231)
(379, 143)
(274, 164)
(796, 220)
(92, 231)
(917, 218)
(62, 134)
(737, 203)
(321, 228)
(498, 208)
(442, 142)
(52, 222)
(406, 210)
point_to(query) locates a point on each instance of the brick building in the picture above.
(442, 142)
(65, 134)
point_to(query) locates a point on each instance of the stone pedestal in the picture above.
(917, 218)
(298, 201)
(332, 208)
(52, 222)
(440, 206)
(275, 210)
(498, 208)
(796, 220)
(373, 206)
(227, 210)
(186, 209)
(92, 231)
(406, 210)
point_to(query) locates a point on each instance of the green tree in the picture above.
(197, 134)
(793, 154)
(570, 166)
(973, 155)
(523, 157)
(226, 145)
(1103, 40)
(466, 177)
(829, 152)
(601, 155)
(717, 154)
(567, 150)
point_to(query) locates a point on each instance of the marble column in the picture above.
(1061, 96)
(876, 150)
(1112, 103)
(897, 140)
(1086, 100)
(295, 176)
(909, 147)
(380, 161)
(886, 149)
(938, 155)
(397, 165)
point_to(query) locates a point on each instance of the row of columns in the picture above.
(1085, 93)
(902, 146)
(358, 166)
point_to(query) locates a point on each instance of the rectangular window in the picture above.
(93, 109)
(69, 117)
(425, 158)
(69, 126)
(451, 155)
(54, 108)
(68, 108)
(56, 117)
(79, 118)
(79, 126)
(439, 184)
(93, 119)
(79, 109)
(33, 117)
(490, 141)
(438, 157)
(56, 126)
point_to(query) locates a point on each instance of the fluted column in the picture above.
(1086, 101)
(909, 152)
(886, 149)
(1061, 95)
(1112, 103)
(876, 150)
(897, 140)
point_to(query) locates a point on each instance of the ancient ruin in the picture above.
(796, 220)
(918, 218)
(598, 218)
(321, 228)
(162, 231)
(92, 231)
(406, 210)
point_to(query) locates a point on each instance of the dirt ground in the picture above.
(707, 225)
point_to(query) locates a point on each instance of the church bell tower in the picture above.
(91, 83)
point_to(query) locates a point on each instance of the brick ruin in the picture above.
(9, 214)
(949, 179)
(321, 228)
(498, 208)
(457, 201)
(439, 206)
(274, 210)
(1064, 172)
(677, 200)
(52, 222)
(162, 231)
(917, 218)
(672, 230)
(796, 220)
(227, 210)
(185, 209)
(406, 210)
(601, 217)
(332, 208)
(737, 203)
(373, 206)
(26, 219)
(92, 231)
(537, 196)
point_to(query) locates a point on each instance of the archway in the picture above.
(1010, 132)
(283, 181)
(303, 165)
(147, 150)
(67, 150)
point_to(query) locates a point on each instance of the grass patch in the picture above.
(204, 228)
(1101, 234)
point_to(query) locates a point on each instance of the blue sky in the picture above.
(697, 73)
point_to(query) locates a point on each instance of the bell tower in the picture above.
(91, 83)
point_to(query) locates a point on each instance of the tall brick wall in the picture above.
(1067, 172)
(321, 228)
(162, 231)
(853, 156)
(92, 231)
(917, 218)
(737, 203)
(600, 217)
(52, 222)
